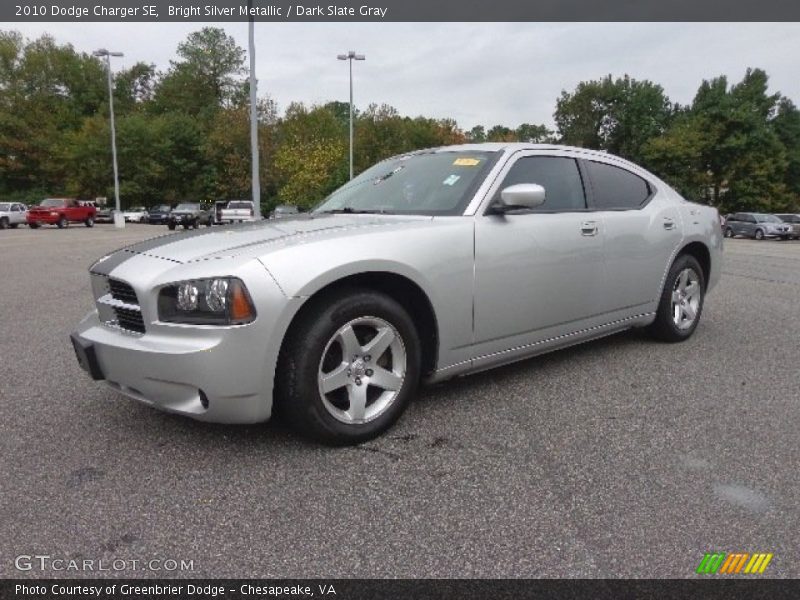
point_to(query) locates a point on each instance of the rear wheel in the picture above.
(759, 234)
(171, 226)
(349, 367)
(4, 223)
(729, 233)
(33, 225)
(14, 225)
(681, 301)
(89, 222)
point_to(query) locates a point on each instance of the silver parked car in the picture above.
(426, 266)
(794, 222)
(12, 214)
(758, 226)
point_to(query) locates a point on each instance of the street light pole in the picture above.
(351, 56)
(255, 175)
(119, 221)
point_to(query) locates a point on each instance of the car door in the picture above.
(642, 227)
(537, 272)
(17, 214)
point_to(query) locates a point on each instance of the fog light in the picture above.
(187, 296)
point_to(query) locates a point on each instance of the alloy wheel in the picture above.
(686, 296)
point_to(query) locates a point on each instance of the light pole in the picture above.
(119, 221)
(255, 175)
(351, 56)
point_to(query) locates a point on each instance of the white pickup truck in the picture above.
(12, 214)
(237, 211)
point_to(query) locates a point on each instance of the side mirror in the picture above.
(521, 196)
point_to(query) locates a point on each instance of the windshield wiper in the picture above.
(348, 210)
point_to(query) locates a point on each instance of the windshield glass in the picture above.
(430, 183)
(160, 208)
(767, 219)
(187, 207)
(239, 204)
(5, 206)
(50, 202)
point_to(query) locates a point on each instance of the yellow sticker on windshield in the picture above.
(467, 162)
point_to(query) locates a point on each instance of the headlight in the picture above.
(218, 301)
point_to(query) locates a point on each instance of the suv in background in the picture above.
(758, 226)
(62, 212)
(794, 223)
(12, 214)
(190, 214)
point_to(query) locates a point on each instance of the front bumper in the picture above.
(207, 378)
(215, 374)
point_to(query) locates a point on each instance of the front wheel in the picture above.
(729, 233)
(681, 301)
(759, 235)
(349, 367)
(62, 222)
(171, 226)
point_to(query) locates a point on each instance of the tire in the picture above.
(62, 223)
(171, 226)
(186, 225)
(14, 225)
(4, 223)
(729, 233)
(786, 237)
(318, 345)
(208, 223)
(196, 224)
(33, 225)
(89, 222)
(759, 235)
(672, 322)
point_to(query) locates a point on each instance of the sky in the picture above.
(476, 73)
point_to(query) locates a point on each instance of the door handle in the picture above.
(669, 223)
(589, 228)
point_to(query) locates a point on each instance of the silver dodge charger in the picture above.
(429, 265)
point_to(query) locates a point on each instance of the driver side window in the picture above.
(559, 176)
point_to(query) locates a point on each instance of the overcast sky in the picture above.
(477, 73)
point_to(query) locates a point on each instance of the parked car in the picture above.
(426, 266)
(62, 212)
(238, 211)
(159, 215)
(758, 226)
(12, 214)
(283, 210)
(137, 214)
(190, 214)
(104, 215)
(794, 223)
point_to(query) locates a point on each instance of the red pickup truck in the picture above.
(61, 212)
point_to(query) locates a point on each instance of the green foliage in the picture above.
(183, 134)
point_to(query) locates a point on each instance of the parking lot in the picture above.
(620, 458)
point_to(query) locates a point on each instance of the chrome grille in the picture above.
(118, 305)
(122, 291)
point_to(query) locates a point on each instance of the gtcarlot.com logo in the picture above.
(731, 563)
(45, 562)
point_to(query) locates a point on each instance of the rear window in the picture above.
(5, 207)
(240, 205)
(615, 188)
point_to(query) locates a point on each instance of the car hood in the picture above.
(258, 237)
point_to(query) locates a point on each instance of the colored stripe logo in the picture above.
(732, 563)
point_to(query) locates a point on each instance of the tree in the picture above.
(619, 115)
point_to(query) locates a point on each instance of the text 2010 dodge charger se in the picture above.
(426, 266)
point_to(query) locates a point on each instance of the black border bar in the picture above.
(710, 588)
(398, 10)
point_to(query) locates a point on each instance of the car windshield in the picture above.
(239, 205)
(50, 202)
(767, 219)
(187, 207)
(5, 206)
(429, 183)
(160, 208)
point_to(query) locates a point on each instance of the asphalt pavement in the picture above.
(623, 457)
